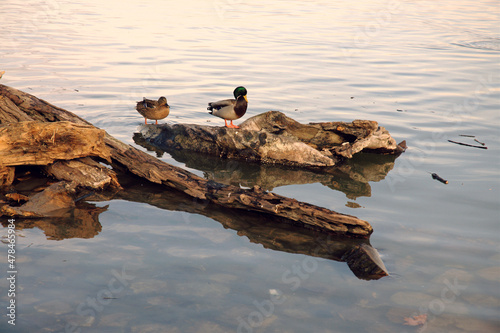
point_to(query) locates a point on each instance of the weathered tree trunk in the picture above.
(37, 143)
(19, 106)
(274, 138)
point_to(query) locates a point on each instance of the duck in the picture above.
(230, 109)
(151, 109)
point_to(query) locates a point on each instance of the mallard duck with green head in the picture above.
(231, 109)
(151, 109)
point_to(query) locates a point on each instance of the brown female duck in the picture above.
(151, 109)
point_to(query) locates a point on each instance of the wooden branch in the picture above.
(154, 170)
(469, 145)
(84, 172)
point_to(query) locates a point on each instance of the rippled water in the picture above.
(428, 71)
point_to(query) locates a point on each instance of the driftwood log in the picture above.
(18, 106)
(37, 143)
(274, 138)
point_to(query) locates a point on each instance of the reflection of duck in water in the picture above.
(230, 109)
(151, 109)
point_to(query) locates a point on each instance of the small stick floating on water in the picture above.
(435, 176)
(466, 144)
(467, 135)
(481, 143)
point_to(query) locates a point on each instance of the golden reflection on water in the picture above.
(435, 61)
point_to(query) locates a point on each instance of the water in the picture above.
(427, 71)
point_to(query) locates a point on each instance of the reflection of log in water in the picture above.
(82, 221)
(79, 222)
(53, 209)
(361, 257)
(351, 177)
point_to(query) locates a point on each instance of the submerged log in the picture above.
(274, 138)
(21, 106)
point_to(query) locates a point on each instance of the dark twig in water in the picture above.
(481, 143)
(466, 144)
(467, 135)
(435, 176)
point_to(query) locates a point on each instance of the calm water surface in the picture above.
(428, 71)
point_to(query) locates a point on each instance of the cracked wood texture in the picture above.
(273, 138)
